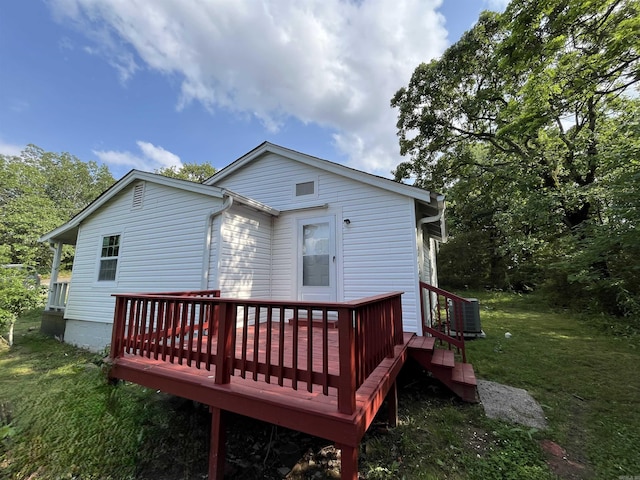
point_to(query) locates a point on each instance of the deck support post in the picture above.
(217, 449)
(392, 405)
(348, 462)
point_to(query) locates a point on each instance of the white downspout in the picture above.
(431, 219)
(206, 260)
(421, 222)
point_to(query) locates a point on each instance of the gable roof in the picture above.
(68, 232)
(422, 195)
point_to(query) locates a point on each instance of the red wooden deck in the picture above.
(267, 360)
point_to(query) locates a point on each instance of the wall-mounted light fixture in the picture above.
(346, 221)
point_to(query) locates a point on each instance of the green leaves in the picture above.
(194, 172)
(526, 124)
(39, 191)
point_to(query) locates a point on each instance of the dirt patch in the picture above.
(570, 462)
(562, 465)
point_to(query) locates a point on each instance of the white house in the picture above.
(274, 224)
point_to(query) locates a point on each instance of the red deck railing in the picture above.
(439, 308)
(291, 343)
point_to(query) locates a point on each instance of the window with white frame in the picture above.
(307, 189)
(109, 257)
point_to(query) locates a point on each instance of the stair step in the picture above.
(463, 373)
(443, 358)
(422, 343)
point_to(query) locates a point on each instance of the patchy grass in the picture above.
(586, 380)
(59, 418)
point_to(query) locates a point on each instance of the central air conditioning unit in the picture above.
(470, 318)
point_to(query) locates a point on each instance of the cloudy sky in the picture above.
(152, 83)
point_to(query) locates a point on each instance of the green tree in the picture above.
(513, 118)
(194, 172)
(39, 191)
(17, 295)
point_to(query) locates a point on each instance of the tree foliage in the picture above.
(17, 295)
(39, 191)
(194, 172)
(522, 124)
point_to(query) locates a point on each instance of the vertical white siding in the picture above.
(378, 249)
(245, 254)
(433, 272)
(427, 257)
(161, 248)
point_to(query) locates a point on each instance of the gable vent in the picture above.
(138, 195)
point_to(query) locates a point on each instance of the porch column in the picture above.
(55, 269)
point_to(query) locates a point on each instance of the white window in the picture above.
(109, 258)
(306, 189)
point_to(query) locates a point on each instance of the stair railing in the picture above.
(441, 312)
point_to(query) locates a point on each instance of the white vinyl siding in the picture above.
(162, 248)
(377, 250)
(245, 254)
(426, 257)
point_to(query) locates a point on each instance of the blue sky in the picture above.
(152, 83)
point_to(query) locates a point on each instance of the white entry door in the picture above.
(317, 259)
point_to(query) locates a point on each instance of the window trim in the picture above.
(100, 258)
(308, 196)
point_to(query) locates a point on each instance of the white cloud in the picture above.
(10, 149)
(335, 63)
(151, 158)
(497, 5)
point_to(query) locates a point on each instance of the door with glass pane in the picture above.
(317, 260)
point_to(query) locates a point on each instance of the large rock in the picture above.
(511, 404)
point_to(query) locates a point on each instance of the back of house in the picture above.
(274, 224)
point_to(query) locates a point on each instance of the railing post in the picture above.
(226, 325)
(397, 320)
(347, 359)
(117, 333)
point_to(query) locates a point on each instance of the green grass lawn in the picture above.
(59, 418)
(587, 380)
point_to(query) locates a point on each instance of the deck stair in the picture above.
(459, 377)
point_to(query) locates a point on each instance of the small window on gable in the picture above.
(305, 188)
(109, 258)
(138, 195)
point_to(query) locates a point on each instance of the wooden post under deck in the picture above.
(217, 449)
(348, 462)
(392, 405)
